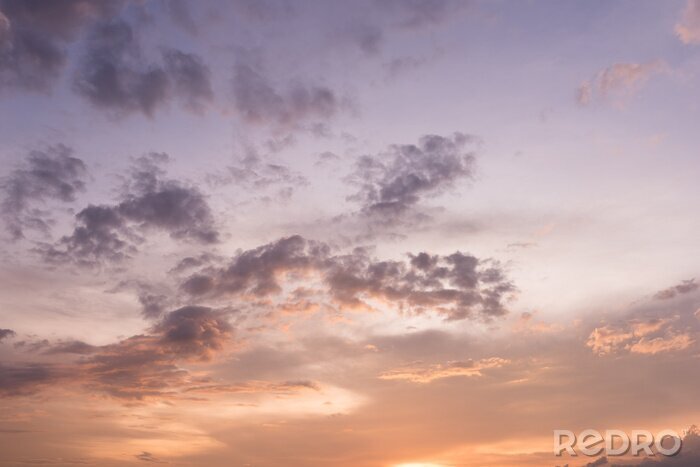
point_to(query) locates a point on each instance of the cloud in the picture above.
(689, 455)
(455, 286)
(641, 337)
(688, 28)
(253, 173)
(684, 287)
(148, 457)
(114, 76)
(369, 32)
(417, 14)
(392, 183)
(6, 334)
(662, 344)
(51, 174)
(138, 367)
(191, 78)
(34, 34)
(260, 101)
(618, 82)
(21, 380)
(427, 374)
(181, 15)
(110, 233)
(149, 366)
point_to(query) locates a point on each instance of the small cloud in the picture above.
(427, 374)
(148, 457)
(6, 334)
(618, 82)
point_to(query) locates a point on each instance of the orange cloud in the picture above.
(427, 374)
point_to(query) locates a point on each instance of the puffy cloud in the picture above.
(110, 232)
(618, 81)
(194, 331)
(392, 183)
(456, 286)
(114, 76)
(426, 374)
(52, 174)
(684, 287)
(688, 28)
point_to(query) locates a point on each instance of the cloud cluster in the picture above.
(455, 286)
(392, 183)
(110, 233)
(52, 174)
(113, 74)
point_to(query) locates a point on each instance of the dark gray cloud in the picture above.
(111, 233)
(20, 380)
(191, 78)
(455, 286)
(181, 15)
(6, 333)
(34, 35)
(684, 287)
(259, 100)
(114, 75)
(52, 174)
(392, 183)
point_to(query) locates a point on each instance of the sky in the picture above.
(379, 233)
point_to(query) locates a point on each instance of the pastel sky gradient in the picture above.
(377, 233)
